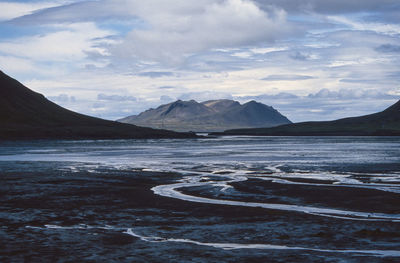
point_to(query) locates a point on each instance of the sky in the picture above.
(309, 59)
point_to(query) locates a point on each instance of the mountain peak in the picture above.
(212, 115)
(221, 105)
(253, 103)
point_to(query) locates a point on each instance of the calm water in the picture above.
(305, 199)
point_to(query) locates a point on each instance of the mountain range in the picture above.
(25, 114)
(212, 115)
(385, 123)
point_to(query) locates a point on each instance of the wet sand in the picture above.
(49, 213)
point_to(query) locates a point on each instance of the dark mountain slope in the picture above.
(385, 123)
(221, 105)
(257, 114)
(214, 115)
(179, 110)
(25, 114)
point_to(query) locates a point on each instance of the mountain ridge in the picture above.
(384, 123)
(211, 115)
(25, 114)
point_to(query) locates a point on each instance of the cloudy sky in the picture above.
(310, 59)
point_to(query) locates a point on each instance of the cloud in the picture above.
(204, 96)
(286, 77)
(156, 74)
(98, 106)
(331, 6)
(62, 98)
(16, 9)
(394, 75)
(166, 99)
(78, 12)
(172, 35)
(14, 64)
(364, 81)
(142, 10)
(300, 56)
(381, 27)
(388, 48)
(350, 94)
(68, 43)
(113, 97)
(168, 33)
(167, 87)
(279, 96)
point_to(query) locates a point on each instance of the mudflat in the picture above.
(161, 200)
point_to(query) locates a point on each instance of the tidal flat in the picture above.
(229, 199)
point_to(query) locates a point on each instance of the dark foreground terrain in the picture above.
(55, 214)
(237, 199)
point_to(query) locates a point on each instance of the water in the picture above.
(304, 199)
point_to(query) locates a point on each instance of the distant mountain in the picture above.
(25, 114)
(385, 123)
(213, 115)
